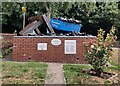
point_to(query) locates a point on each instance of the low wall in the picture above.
(6, 40)
(8, 37)
(50, 49)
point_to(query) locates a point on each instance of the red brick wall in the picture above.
(7, 40)
(7, 37)
(25, 48)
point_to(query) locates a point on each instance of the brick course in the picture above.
(25, 48)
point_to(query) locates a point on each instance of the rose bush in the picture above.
(98, 53)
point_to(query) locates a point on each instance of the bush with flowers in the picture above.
(98, 53)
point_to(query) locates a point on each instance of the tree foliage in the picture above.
(93, 15)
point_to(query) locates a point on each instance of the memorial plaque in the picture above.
(70, 46)
(42, 46)
(55, 41)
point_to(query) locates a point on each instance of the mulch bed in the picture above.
(104, 75)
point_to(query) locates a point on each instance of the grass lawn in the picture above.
(73, 75)
(23, 72)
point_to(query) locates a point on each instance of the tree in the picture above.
(93, 15)
(12, 14)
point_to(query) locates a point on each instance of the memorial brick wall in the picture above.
(50, 49)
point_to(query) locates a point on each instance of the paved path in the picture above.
(55, 74)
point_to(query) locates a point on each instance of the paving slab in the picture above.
(55, 74)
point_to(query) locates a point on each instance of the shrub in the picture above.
(6, 52)
(98, 53)
(6, 48)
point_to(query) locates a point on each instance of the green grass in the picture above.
(114, 66)
(23, 72)
(114, 63)
(73, 75)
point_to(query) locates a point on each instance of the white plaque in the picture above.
(42, 46)
(56, 42)
(70, 47)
